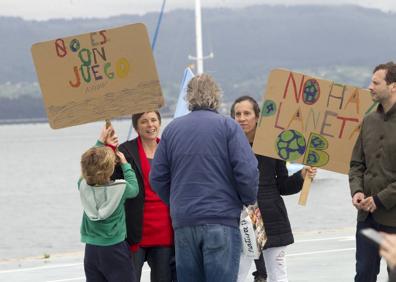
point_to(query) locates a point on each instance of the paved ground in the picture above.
(324, 249)
(316, 256)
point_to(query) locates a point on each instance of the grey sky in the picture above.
(46, 9)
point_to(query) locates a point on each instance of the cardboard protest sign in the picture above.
(98, 75)
(310, 121)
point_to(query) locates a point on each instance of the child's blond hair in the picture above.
(97, 165)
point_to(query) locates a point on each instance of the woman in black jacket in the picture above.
(148, 222)
(274, 182)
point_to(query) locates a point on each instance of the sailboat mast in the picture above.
(198, 37)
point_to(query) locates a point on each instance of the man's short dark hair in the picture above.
(390, 68)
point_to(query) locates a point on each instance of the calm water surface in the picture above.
(40, 208)
(39, 203)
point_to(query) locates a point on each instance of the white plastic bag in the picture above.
(252, 231)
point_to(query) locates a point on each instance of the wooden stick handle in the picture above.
(305, 191)
(108, 123)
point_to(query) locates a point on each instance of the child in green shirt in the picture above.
(107, 256)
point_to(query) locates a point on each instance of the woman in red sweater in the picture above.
(149, 226)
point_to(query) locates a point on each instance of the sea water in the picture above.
(40, 210)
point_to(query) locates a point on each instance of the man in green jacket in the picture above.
(372, 175)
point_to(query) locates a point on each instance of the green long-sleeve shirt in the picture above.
(103, 221)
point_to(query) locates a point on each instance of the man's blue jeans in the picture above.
(367, 253)
(208, 253)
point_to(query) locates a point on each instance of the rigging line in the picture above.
(158, 25)
(152, 47)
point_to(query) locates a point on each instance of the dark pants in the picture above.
(392, 276)
(367, 252)
(159, 259)
(260, 267)
(108, 263)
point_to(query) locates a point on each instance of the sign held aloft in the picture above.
(310, 121)
(97, 76)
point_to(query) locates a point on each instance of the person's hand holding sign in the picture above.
(308, 171)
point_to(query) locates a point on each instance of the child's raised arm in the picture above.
(132, 188)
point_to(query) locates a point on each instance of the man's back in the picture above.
(212, 169)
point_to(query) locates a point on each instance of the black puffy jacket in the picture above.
(133, 207)
(274, 182)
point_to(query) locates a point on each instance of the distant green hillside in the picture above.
(341, 43)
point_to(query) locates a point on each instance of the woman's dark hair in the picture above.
(256, 107)
(136, 117)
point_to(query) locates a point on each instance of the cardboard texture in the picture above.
(310, 121)
(97, 76)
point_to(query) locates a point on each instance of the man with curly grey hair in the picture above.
(203, 93)
(204, 169)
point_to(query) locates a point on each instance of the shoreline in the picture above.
(23, 121)
(45, 120)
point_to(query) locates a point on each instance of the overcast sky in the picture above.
(46, 9)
